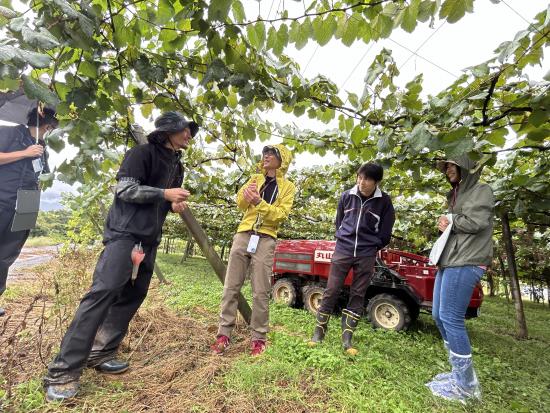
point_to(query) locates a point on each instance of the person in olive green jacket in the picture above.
(466, 255)
(266, 200)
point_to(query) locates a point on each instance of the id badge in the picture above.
(37, 165)
(253, 244)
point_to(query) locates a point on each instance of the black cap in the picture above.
(41, 116)
(168, 123)
(274, 150)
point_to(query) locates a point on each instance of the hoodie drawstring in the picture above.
(455, 195)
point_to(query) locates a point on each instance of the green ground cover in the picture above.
(388, 375)
(42, 241)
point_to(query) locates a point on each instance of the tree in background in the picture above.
(51, 224)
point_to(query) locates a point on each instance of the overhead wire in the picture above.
(412, 54)
(466, 93)
(524, 19)
(422, 45)
(357, 65)
(270, 8)
(310, 59)
(424, 58)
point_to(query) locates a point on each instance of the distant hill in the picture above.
(51, 197)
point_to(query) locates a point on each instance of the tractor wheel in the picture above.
(284, 292)
(414, 311)
(472, 312)
(388, 312)
(313, 294)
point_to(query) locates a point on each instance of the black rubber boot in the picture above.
(320, 329)
(61, 392)
(113, 367)
(349, 323)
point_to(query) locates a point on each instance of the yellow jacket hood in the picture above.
(286, 160)
(265, 217)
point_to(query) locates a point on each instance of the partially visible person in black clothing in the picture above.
(22, 158)
(148, 186)
(364, 223)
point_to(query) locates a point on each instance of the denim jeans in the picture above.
(452, 292)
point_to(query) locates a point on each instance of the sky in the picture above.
(441, 54)
(449, 47)
(442, 51)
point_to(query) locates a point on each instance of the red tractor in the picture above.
(401, 286)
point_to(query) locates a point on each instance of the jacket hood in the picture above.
(467, 178)
(286, 160)
(355, 191)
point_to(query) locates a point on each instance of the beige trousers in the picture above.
(260, 264)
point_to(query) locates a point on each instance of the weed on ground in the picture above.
(173, 370)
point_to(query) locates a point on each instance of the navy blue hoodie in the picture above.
(19, 174)
(363, 226)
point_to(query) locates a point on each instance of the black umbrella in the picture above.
(14, 106)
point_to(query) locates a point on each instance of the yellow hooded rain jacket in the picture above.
(269, 216)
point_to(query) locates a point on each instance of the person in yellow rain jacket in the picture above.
(266, 200)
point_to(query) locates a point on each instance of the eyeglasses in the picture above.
(271, 150)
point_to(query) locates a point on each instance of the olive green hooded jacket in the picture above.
(471, 204)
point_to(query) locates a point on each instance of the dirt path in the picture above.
(30, 257)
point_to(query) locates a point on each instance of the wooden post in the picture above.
(514, 281)
(505, 277)
(491, 283)
(160, 275)
(212, 257)
(201, 238)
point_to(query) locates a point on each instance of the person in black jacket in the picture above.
(23, 157)
(148, 186)
(364, 223)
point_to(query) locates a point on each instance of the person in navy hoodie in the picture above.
(364, 223)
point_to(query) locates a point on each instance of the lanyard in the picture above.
(273, 195)
(275, 192)
(259, 221)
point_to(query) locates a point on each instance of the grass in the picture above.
(388, 375)
(41, 241)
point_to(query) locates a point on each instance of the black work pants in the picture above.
(102, 318)
(363, 268)
(11, 244)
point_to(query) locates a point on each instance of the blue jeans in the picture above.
(452, 292)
